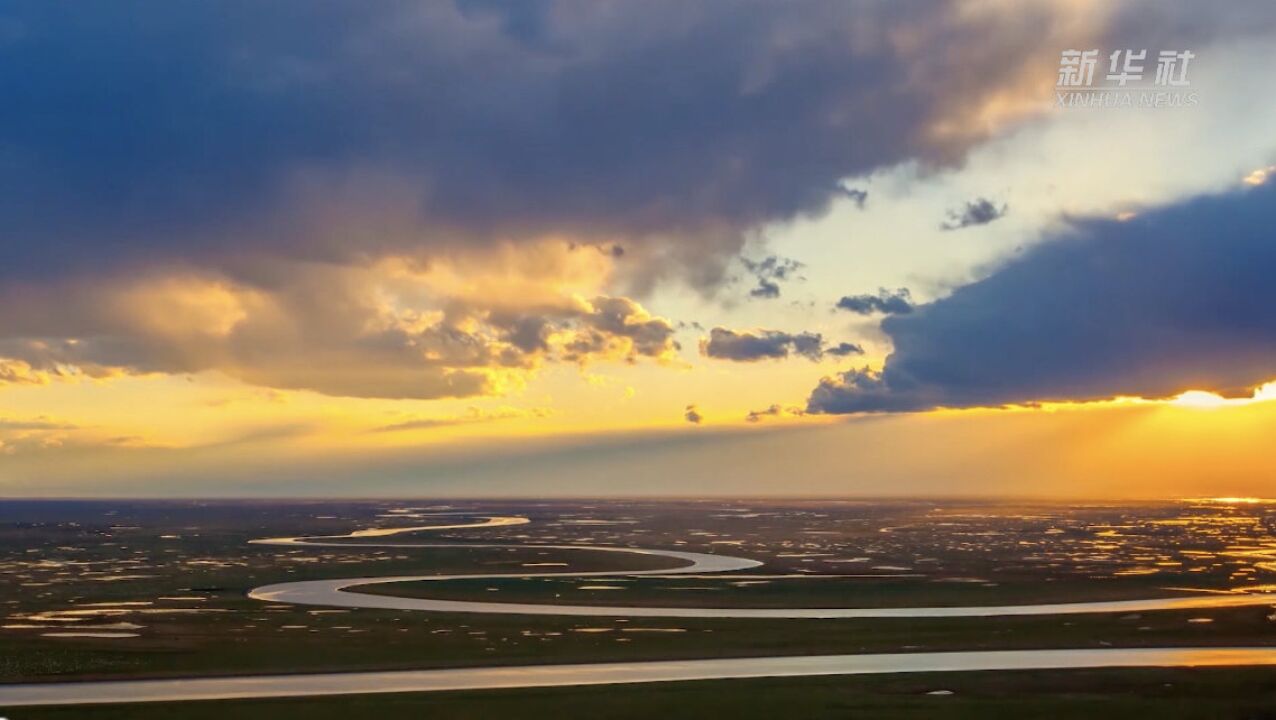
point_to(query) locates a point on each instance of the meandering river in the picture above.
(343, 593)
(540, 676)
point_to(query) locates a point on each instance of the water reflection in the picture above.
(611, 673)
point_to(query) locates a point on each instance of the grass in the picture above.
(816, 591)
(217, 644)
(170, 550)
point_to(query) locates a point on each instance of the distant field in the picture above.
(171, 579)
(1204, 694)
(812, 591)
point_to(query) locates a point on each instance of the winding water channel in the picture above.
(540, 676)
(343, 593)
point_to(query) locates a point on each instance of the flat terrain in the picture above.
(1213, 694)
(816, 591)
(125, 590)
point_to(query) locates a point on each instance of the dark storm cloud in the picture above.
(138, 132)
(886, 302)
(725, 344)
(264, 151)
(979, 211)
(1177, 299)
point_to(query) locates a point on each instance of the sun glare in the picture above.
(1204, 400)
(1200, 399)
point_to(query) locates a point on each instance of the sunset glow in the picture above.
(969, 282)
(637, 359)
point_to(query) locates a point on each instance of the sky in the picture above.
(567, 248)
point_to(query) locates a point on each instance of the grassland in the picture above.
(174, 577)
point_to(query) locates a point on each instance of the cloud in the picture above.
(238, 221)
(862, 390)
(308, 197)
(776, 411)
(844, 349)
(1260, 176)
(39, 433)
(471, 416)
(979, 211)
(349, 331)
(856, 195)
(769, 273)
(724, 344)
(626, 329)
(666, 128)
(1176, 299)
(17, 372)
(36, 424)
(767, 289)
(886, 302)
(692, 415)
